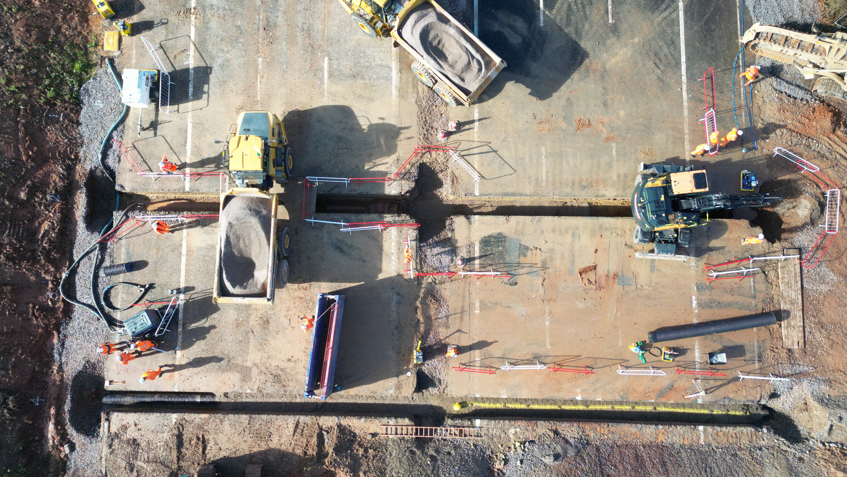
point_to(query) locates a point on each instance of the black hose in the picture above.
(114, 126)
(711, 327)
(106, 299)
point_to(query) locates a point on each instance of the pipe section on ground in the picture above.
(130, 398)
(711, 327)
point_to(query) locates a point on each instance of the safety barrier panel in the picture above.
(708, 80)
(584, 370)
(640, 372)
(223, 177)
(419, 149)
(488, 370)
(698, 373)
(781, 258)
(739, 274)
(711, 124)
(524, 367)
(769, 377)
(465, 165)
(490, 274)
(388, 430)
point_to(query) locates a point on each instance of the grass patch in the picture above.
(832, 9)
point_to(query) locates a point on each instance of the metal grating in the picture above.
(799, 161)
(833, 210)
(431, 432)
(640, 372)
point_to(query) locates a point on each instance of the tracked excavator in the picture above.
(818, 56)
(668, 201)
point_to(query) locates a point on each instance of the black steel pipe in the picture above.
(711, 327)
(129, 398)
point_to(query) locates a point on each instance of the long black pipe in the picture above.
(711, 327)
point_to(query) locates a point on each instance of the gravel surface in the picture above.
(81, 335)
(245, 235)
(782, 12)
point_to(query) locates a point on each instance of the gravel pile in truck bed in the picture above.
(446, 48)
(245, 238)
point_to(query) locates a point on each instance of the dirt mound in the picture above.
(445, 47)
(245, 237)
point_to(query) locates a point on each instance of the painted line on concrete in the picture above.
(702, 433)
(610, 12)
(543, 166)
(684, 82)
(476, 160)
(541, 12)
(738, 14)
(578, 395)
(259, 82)
(326, 76)
(547, 330)
(190, 92)
(476, 17)
(395, 74)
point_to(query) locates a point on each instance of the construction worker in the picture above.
(731, 136)
(752, 74)
(452, 351)
(124, 358)
(753, 239)
(151, 374)
(108, 348)
(714, 138)
(161, 227)
(408, 254)
(167, 166)
(700, 150)
(306, 323)
(142, 346)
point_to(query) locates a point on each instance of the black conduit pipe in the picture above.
(135, 398)
(711, 327)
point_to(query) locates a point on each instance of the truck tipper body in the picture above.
(249, 263)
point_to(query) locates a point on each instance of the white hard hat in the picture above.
(142, 379)
(740, 132)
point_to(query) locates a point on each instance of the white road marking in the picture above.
(326, 76)
(702, 434)
(476, 262)
(694, 305)
(543, 166)
(190, 94)
(259, 82)
(684, 82)
(547, 330)
(738, 14)
(756, 349)
(395, 75)
(476, 17)
(476, 161)
(610, 12)
(541, 11)
(578, 395)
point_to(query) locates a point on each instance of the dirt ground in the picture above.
(44, 62)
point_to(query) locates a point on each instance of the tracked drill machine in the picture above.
(820, 56)
(669, 200)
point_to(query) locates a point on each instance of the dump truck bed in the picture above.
(457, 58)
(245, 262)
(320, 377)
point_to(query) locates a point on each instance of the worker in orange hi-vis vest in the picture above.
(753, 239)
(151, 374)
(142, 346)
(452, 351)
(167, 166)
(124, 358)
(731, 136)
(108, 348)
(306, 323)
(161, 227)
(714, 138)
(700, 150)
(752, 74)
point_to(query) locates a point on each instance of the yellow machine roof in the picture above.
(245, 153)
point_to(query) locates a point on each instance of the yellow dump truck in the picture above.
(449, 58)
(257, 153)
(250, 263)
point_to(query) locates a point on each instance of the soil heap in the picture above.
(245, 236)
(445, 47)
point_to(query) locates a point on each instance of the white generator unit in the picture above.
(140, 87)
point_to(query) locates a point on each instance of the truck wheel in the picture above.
(446, 95)
(366, 27)
(641, 237)
(422, 72)
(285, 242)
(289, 162)
(282, 274)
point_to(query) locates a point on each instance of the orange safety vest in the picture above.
(166, 166)
(700, 150)
(144, 345)
(125, 358)
(152, 374)
(713, 138)
(161, 227)
(107, 348)
(751, 73)
(308, 323)
(730, 136)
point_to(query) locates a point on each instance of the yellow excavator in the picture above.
(257, 153)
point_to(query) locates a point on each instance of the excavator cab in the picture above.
(257, 152)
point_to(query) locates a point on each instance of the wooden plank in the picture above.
(790, 285)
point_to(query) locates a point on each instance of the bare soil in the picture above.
(38, 157)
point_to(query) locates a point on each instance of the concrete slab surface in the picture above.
(579, 298)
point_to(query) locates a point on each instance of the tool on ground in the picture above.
(669, 354)
(449, 59)
(753, 239)
(717, 358)
(109, 382)
(124, 27)
(452, 351)
(638, 348)
(104, 8)
(307, 323)
(669, 200)
(749, 181)
(418, 354)
(257, 151)
(819, 56)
